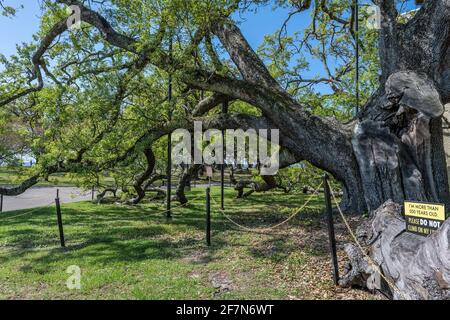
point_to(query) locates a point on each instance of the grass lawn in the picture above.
(134, 253)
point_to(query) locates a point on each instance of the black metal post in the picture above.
(357, 54)
(169, 147)
(331, 235)
(188, 182)
(1, 203)
(208, 216)
(59, 217)
(92, 193)
(169, 177)
(222, 167)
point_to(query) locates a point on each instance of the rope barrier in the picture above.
(25, 213)
(260, 230)
(181, 205)
(36, 209)
(369, 259)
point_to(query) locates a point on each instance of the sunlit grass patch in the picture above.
(129, 252)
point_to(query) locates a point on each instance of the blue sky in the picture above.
(19, 28)
(254, 25)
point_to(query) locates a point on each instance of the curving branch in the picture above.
(141, 178)
(208, 104)
(249, 64)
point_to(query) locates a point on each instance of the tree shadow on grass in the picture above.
(105, 251)
(108, 234)
(115, 235)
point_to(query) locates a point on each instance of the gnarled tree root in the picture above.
(268, 183)
(101, 195)
(418, 267)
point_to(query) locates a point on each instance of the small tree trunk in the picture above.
(184, 182)
(140, 179)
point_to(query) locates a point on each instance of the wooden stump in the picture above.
(418, 266)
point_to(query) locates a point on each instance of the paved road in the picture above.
(44, 196)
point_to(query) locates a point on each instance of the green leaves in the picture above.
(8, 11)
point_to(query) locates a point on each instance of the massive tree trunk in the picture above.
(398, 143)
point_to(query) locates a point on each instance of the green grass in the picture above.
(135, 253)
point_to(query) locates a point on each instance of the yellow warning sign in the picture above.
(425, 210)
(423, 218)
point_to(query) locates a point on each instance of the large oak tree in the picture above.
(392, 150)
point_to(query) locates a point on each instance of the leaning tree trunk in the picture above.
(398, 142)
(141, 178)
(394, 149)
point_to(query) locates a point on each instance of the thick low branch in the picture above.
(249, 64)
(208, 104)
(268, 183)
(102, 194)
(24, 186)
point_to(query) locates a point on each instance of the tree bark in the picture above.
(268, 183)
(144, 176)
(416, 267)
(184, 181)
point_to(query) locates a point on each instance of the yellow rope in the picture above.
(181, 205)
(369, 259)
(275, 226)
(39, 208)
(25, 213)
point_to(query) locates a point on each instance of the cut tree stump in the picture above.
(418, 266)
